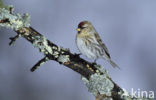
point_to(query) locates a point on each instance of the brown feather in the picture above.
(102, 44)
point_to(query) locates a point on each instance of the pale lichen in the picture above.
(65, 49)
(41, 43)
(99, 84)
(63, 58)
(56, 53)
(54, 47)
(101, 69)
(14, 22)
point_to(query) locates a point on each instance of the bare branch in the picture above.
(41, 62)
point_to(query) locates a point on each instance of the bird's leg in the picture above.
(94, 63)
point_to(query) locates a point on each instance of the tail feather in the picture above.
(113, 64)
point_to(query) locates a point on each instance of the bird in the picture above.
(90, 44)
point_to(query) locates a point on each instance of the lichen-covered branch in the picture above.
(94, 76)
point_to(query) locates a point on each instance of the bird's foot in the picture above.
(77, 54)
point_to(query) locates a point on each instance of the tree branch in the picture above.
(95, 77)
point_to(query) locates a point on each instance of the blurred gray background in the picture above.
(128, 28)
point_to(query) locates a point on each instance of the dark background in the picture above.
(128, 28)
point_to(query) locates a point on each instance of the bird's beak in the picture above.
(78, 29)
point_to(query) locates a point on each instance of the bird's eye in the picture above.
(82, 25)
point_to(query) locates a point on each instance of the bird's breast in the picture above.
(84, 46)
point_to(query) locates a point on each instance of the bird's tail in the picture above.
(113, 64)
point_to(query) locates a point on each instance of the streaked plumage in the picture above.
(90, 44)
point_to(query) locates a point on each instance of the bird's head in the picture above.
(85, 27)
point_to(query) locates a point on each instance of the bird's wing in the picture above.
(102, 44)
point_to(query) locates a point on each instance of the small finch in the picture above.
(89, 43)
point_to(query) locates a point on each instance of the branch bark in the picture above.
(95, 77)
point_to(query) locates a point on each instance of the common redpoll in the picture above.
(89, 43)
